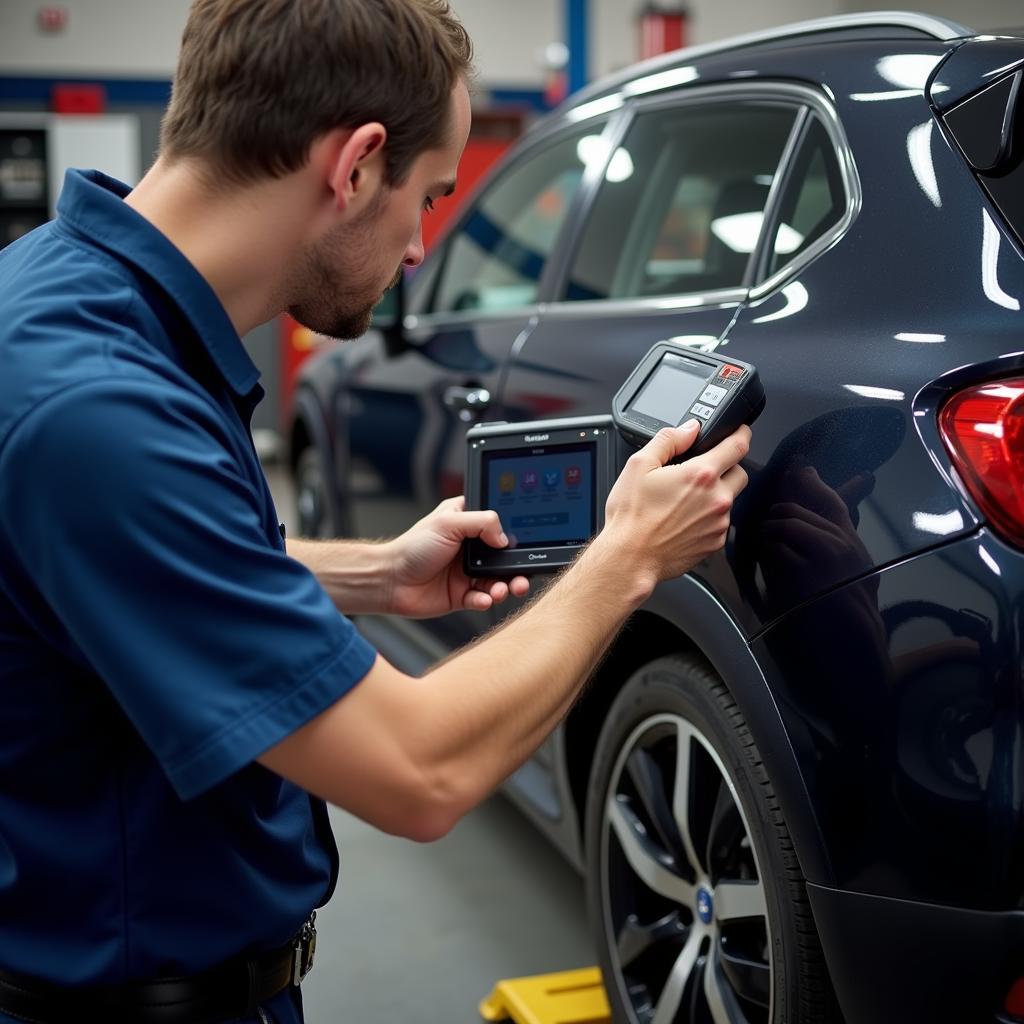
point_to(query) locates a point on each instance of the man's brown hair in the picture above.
(259, 80)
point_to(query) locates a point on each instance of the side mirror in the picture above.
(389, 318)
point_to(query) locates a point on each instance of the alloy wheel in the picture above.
(311, 503)
(684, 906)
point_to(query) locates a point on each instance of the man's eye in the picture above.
(428, 204)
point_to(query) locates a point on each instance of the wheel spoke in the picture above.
(681, 795)
(644, 857)
(681, 837)
(751, 979)
(734, 900)
(721, 1001)
(675, 985)
(726, 829)
(635, 938)
(650, 786)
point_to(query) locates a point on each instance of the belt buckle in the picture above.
(303, 950)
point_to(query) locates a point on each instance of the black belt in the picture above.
(224, 993)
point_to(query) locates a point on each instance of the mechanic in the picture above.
(180, 695)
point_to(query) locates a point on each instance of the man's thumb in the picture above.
(669, 442)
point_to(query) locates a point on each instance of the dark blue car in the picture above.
(795, 785)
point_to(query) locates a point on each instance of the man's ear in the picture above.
(355, 164)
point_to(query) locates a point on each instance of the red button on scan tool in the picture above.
(731, 372)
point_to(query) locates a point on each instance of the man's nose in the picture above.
(414, 250)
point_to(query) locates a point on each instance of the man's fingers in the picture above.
(799, 536)
(485, 524)
(482, 593)
(487, 592)
(855, 490)
(727, 453)
(667, 443)
(735, 479)
(476, 601)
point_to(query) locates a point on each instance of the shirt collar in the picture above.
(91, 203)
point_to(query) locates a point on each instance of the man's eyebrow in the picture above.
(444, 188)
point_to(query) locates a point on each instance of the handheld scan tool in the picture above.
(673, 383)
(548, 481)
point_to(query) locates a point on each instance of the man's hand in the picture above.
(808, 537)
(425, 562)
(663, 519)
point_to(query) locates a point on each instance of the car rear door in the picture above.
(665, 248)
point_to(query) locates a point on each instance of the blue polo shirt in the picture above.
(154, 636)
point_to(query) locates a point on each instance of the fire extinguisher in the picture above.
(662, 29)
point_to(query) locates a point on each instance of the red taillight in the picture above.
(983, 428)
(1014, 1004)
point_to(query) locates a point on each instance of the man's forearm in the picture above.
(437, 745)
(487, 714)
(355, 573)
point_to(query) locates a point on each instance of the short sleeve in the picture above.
(124, 506)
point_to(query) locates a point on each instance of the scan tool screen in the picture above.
(543, 496)
(670, 391)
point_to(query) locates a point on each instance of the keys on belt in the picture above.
(304, 950)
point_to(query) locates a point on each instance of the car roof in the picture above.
(928, 26)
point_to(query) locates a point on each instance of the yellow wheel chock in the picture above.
(566, 997)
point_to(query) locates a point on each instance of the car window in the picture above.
(682, 202)
(813, 201)
(496, 258)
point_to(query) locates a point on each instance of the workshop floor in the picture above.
(420, 933)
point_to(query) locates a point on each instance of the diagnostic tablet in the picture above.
(548, 481)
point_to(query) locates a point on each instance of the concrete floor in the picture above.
(420, 933)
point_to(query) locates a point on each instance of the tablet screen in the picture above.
(544, 496)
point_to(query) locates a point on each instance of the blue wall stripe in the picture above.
(119, 90)
(158, 91)
(533, 99)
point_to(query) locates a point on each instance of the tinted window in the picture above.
(814, 199)
(496, 258)
(682, 202)
(998, 161)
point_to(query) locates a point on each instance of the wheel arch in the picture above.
(310, 428)
(301, 438)
(684, 617)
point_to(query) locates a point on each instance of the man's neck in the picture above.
(241, 239)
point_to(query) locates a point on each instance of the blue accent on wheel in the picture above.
(705, 906)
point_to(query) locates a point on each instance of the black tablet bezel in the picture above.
(489, 442)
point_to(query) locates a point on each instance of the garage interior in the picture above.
(413, 933)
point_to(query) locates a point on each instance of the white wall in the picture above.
(986, 14)
(509, 38)
(139, 38)
(717, 19)
(104, 38)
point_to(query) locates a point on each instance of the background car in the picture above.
(795, 783)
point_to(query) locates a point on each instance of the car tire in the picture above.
(729, 938)
(313, 507)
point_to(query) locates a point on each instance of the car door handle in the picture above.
(468, 402)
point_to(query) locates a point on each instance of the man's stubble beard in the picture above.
(326, 275)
